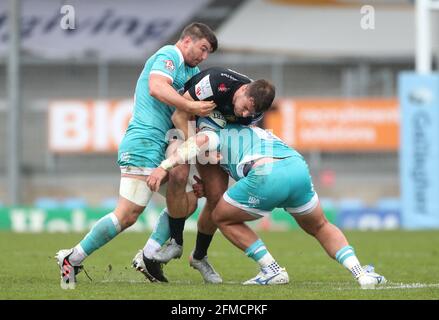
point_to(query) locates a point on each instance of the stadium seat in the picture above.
(389, 203)
(330, 209)
(350, 210)
(350, 204)
(47, 203)
(74, 203)
(327, 202)
(109, 203)
(390, 210)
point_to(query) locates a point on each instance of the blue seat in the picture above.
(74, 203)
(355, 215)
(327, 202)
(350, 209)
(47, 203)
(351, 204)
(389, 203)
(109, 203)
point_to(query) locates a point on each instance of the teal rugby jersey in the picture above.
(145, 141)
(167, 61)
(240, 144)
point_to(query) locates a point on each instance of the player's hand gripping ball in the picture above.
(214, 121)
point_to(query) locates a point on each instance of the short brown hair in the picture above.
(198, 30)
(262, 92)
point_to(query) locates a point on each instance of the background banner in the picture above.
(84, 126)
(109, 29)
(419, 153)
(336, 124)
(37, 220)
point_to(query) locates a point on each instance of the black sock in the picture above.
(203, 243)
(176, 226)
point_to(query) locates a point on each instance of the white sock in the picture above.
(77, 256)
(266, 260)
(150, 248)
(354, 266)
(346, 256)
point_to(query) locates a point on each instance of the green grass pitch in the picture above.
(409, 260)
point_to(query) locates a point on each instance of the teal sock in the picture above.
(102, 232)
(257, 250)
(346, 256)
(259, 253)
(161, 232)
(344, 253)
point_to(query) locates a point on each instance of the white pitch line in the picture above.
(121, 281)
(408, 286)
(387, 286)
(181, 282)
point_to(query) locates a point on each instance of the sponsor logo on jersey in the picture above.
(242, 75)
(229, 76)
(125, 156)
(222, 87)
(203, 90)
(169, 65)
(253, 201)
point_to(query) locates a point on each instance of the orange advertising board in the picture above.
(336, 124)
(88, 125)
(85, 126)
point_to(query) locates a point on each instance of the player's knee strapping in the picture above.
(135, 190)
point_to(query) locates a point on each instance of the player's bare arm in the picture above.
(160, 87)
(187, 151)
(182, 119)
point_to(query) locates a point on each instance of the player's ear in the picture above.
(187, 40)
(247, 88)
(252, 103)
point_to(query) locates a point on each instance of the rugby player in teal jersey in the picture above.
(145, 142)
(269, 174)
(239, 99)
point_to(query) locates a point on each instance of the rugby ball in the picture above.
(214, 121)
